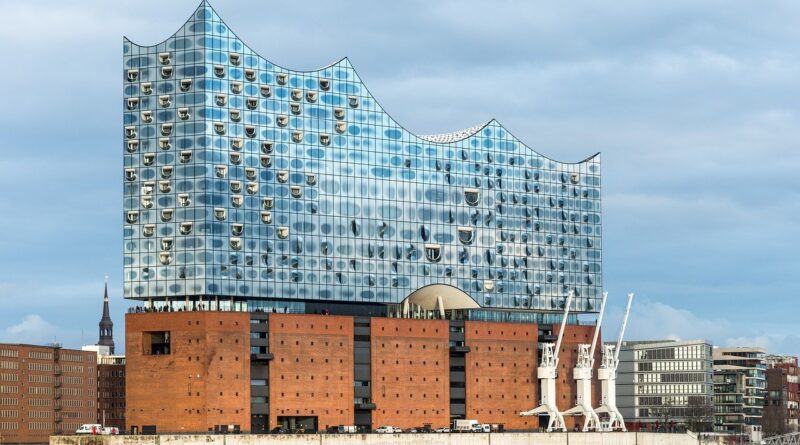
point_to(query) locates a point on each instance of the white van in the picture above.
(110, 431)
(90, 428)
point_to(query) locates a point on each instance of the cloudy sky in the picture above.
(694, 106)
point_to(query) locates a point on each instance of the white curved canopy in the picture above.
(429, 298)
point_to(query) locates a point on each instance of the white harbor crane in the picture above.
(607, 374)
(548, 373)
(582, 373)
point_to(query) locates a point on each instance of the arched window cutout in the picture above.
(472, 196)
(433, 252)
(165, 258)
(283, 232)
(237, 229)
(466, 235)
(148, 230)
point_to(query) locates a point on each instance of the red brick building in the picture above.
(45, 390)
(200, 371)
(111, 391)
(782, 402)
(187, 371)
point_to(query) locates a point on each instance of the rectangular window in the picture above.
(156, 343)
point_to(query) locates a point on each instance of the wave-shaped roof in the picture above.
(206, 22)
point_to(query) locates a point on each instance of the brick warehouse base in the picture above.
(394, 439)
(209, 371)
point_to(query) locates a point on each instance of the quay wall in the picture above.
(387, 439)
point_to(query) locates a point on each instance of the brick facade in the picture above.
(45, 390)
(111, 391)
(311, 373)
(410, 372)
(501, 373)
(202, 382)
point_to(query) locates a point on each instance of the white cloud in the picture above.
(651, 320)
(32, 329)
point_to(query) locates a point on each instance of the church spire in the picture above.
(106, 325)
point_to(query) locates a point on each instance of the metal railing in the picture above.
(785, 439)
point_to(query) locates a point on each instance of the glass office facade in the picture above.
(245, 180)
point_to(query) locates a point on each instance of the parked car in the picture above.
(386, 429)
(411, 430)
(110, 431)
(278, 430)
(442, 430)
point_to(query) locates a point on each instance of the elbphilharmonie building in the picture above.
(255, 183)
(300, 257)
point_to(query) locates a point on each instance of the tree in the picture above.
(663, 413)
(773, 421)
(699, 414)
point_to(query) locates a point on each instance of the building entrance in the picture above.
(258, 424)
(306, 424)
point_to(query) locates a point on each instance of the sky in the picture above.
(693, 105)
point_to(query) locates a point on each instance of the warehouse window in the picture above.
(156, 343)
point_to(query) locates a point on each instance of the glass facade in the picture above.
(249, 181)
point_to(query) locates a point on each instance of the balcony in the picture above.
(369, 406)
(459, 349)
(261, 357)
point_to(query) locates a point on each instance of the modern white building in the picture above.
(666, 384)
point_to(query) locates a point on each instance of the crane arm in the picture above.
(563, 325)
(597, 326)
(622, 328)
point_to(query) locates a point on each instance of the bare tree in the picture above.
(663, 413)
(773, 421)
(699, 414)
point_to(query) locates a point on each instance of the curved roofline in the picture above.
(205, 3)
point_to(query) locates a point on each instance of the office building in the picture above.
(739, 390)
(45, 390)
(265, 206)
(781, 413)
(666, 384)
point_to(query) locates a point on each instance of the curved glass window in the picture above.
(466, 235)
(472, 196)
(433, 252)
